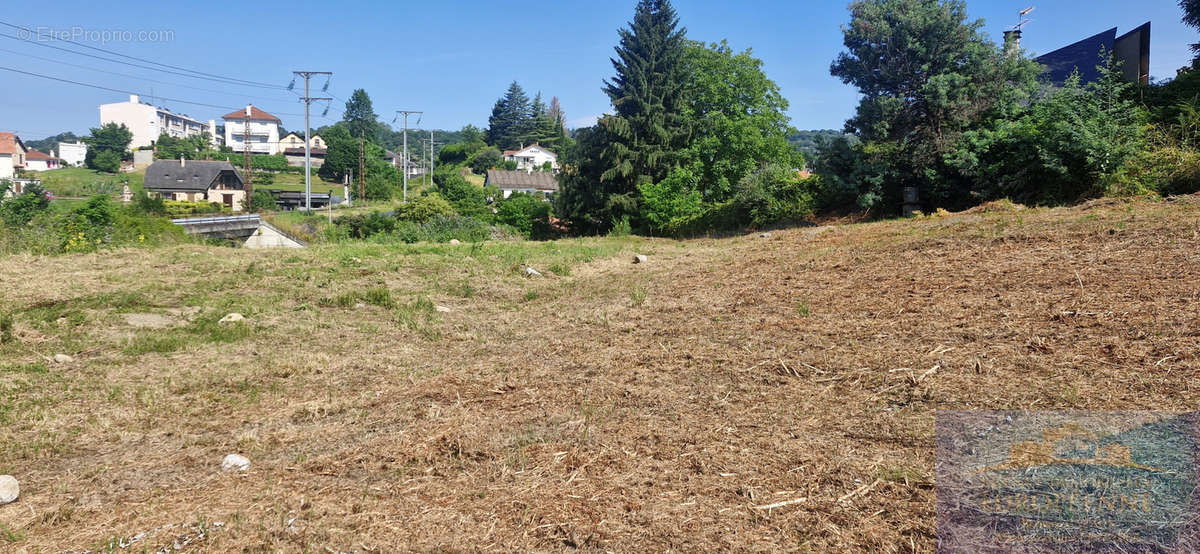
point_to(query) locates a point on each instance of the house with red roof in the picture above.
(12, 156)
(263, 127)
(36, 160)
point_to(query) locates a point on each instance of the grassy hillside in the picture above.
(396, 398)
(77, 182)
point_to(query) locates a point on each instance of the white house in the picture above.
(36, 160)
(264, 131)
(292, 140)
(72, 153)
(532, 157)
(196, 181)
(12, 155)
(148, 122)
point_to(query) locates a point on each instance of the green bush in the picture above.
(1164, 171)
(485, 160)
(676, 197)
(773, 194)
(526, 213)
(424, 208)
(179, 208)
(21, 209)
(108, 161)
(466, 198)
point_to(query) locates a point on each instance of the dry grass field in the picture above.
(603, 406)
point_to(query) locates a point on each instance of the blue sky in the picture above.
(453, 59)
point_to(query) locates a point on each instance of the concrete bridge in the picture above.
(249, 231)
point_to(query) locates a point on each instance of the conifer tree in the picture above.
(508, 124)
(649, 131)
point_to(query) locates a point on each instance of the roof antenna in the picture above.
(1012, 37)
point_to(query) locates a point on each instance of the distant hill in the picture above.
(806, 141)
(44, 145)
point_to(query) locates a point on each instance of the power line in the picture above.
(209, 75)
(110, 89)
(127, 76)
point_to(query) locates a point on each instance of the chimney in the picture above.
(248, 110)
(1012, 42)
(182, 162)
(133, 99)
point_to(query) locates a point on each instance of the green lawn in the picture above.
(75, 182)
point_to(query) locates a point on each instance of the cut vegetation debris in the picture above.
(699, 406)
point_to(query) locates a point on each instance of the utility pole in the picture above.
(308, 100)
(405, 156)
(431, 143)
(247, 180)
(362, 188)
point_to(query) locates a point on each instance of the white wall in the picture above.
(72, 153)
(264, 136)
(538, 155)
(268, 236)
(6, 167)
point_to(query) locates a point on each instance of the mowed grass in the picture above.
(433, 397)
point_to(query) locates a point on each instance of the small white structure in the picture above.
(12, 155)
(264, 131)
(35, 160)
(270, 236)
(148, 122)
(532, 157)
(72, 153)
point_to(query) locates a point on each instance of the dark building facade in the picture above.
(1131, 50)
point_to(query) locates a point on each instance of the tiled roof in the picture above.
(9, 142)
(38, 155)
(512, 180)
(255, 114)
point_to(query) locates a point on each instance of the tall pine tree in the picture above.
(509, 121)
(649, 131)
(359, 117)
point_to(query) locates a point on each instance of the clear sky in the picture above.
(453, 59)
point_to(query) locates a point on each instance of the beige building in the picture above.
(197, 181)
(148, 122)
(296, 141)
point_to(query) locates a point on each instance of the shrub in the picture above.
(466, 198)
(262, 201)
(485, 160)
(672, 198)
(108, 161)
(526, 213)
(772, 194)
(180, 208)
(21, 209)
(424, 208)
(1165, 170)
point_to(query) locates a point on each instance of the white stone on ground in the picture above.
(232, 318)
(640, 259)
(234, 462)
(531, 272)
(765, 236)
(9, 489)
(443, 309)
(455, 242)
(63, 359)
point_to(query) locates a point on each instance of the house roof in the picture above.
(530, 147)
(9, 143)
(194, 175)
(513, 180)
(255, 114)
(38, 155)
